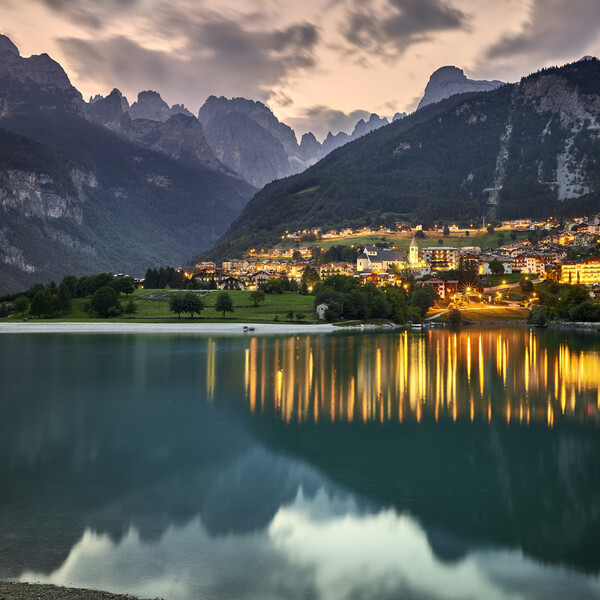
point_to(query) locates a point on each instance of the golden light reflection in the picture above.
(519, 377)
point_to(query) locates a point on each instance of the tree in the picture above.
(496, 267)
(224, 303)
(422, 298)
(300, 316)
(455, 317)
(420, 234)
(130, 307)
(64, 297)
(124, 285)
(526, 285)
(21, 304)
(42, 304)
(105, 301)
(257, 296)
(177, 304)
(4, 312)
(446, 230)
(290, 315)
(310, 277)
(296, 255)
(192, 303)
(490, 229)
(71, 282)
(397, 302)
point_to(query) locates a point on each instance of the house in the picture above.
(441, 258)
(335, 268)
(235, 264)
(231, 283)
(321, 310)
(443, 288)
(485, 260)
(255, 279)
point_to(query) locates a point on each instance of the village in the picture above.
(547, 257)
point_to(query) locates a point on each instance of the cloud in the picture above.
(321, 120)
(90, 13)
(402, 23)
(555, 29)
(196, 53)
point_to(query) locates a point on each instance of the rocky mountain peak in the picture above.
(255, 110)
(27, 77)
(7, 46)
(363, 127)
(448, 81)
(150, 106)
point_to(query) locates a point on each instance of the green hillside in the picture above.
(441, 162)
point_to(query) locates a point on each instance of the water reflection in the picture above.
(251, 467)
(512, 375)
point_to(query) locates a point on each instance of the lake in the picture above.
(436, 465)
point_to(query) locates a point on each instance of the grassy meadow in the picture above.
(153, 306)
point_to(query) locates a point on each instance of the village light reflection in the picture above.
(514, 376)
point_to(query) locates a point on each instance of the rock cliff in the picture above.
(447, 81)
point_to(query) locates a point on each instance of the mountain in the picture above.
(76, 197)
(248, 138)
(28, 83)
(529, 149)
(447, 81)
(151, 106)
(179, 136)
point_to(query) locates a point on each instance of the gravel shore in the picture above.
(35, 591)
(196, 328)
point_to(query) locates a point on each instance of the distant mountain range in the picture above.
(77, 197)
(530, 149)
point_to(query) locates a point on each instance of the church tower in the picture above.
(413, 253)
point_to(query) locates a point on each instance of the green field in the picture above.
(153, 305)
(482, 238)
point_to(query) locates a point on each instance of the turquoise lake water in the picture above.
(436, 465)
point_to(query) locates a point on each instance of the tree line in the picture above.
(346, 298)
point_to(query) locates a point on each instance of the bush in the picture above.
(537, 316)
(455, 317)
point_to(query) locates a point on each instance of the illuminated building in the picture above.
(583, 272)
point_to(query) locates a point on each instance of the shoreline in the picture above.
(195, 328)
(17, 590)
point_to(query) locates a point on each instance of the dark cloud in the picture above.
(214, 54)
(400, 25)
(321, 120)
(90, 13)
(556, 29)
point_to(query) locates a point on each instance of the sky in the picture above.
(320, 65)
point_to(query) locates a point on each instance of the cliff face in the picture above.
(33, 82)
(31, 195)
(448, 81)
(248, 149)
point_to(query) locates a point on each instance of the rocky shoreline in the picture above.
(11, 590)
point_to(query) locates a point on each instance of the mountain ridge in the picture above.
(525, 149)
